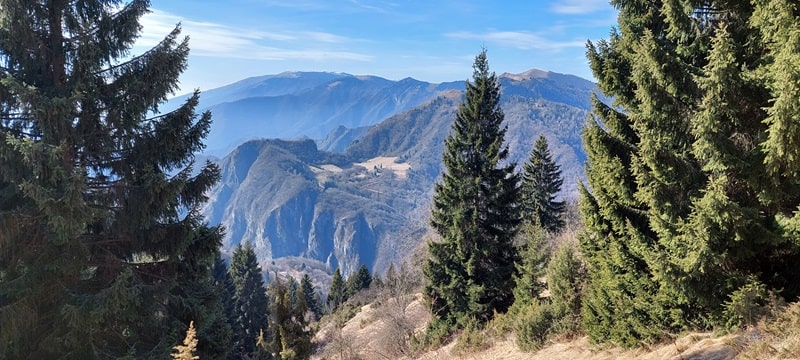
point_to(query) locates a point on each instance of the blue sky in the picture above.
(433, 40)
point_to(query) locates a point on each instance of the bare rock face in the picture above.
(279, 196)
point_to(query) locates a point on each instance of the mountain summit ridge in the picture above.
(296, 104)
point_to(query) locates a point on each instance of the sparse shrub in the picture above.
(787, 325)
(397, 334)
(501, 324)
(396, 293)
(472, 339)
(437, 333)
(534, 324)
(746, 305)
(342, 346)
(535, 320)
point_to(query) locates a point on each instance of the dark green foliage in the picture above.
(291, 336)
(101, 239)
(337, 293)
(249, 294)
(471, 339)
(746, 305)
(197, 296)
(541, 182)
(536, 319)
(534, 324)
(565, 280)
(358, 281)
(225, 290)
(528, 281)
(475, 211)
(437, 333)
(311, 296)
(693, 176)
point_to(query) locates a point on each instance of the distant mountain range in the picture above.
(360, 192)
(305, 104)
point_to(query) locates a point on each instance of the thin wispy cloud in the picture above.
(349, 6)
(217, 40)
(372, 6)
(518, 39)
(325, 37)
(273, 53)
(307, 5)
(395, 39)
(574, 7)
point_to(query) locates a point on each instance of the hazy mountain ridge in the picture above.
(305, 104)
(292, 199)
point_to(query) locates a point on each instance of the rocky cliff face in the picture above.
(289, 199)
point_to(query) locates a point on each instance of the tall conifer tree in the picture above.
(358, 281)
(534, 255)
(291, 334)
(311, 296)
(688, 201)
(475, 210)
(225, 289)
(541, 182)
(98, 207)
(198, 297)
(250, 314)
(337, 293)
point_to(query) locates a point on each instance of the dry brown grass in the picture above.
(371, 335)
(380, 330)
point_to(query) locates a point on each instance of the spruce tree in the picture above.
(475, 211)
(358, 281)
(337, 293)
(224, 287)
(250, 298)
(291, 335)
(541, 182)
(692, 193)
(98, 204)
(528, 284)
(198, 297)
(311, 296)
(565, 280)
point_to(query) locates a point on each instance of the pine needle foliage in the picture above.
(250, 299)
(99, 201)
(311, 296)
(358, 281)
(288, 323)
(692, 173)
(531, 269)
(475, 211)
(541, 182)
(337, 293)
